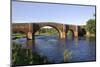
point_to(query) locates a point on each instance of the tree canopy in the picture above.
(91, 26)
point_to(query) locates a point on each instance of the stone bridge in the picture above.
(31, 28)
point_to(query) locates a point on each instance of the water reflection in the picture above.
(45, 49)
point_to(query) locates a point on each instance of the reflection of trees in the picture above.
(23, 56)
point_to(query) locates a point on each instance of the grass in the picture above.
(18, 35)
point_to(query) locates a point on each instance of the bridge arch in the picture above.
(82, 32)
(30, 28)
(70, 32)
(58, 31)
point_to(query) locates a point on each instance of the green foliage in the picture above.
(69, 33)
(18, 35)
(91, 26)
(46, 31)
(25, 56)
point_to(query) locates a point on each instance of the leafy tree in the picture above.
(91, 26)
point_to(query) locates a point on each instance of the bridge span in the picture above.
(30, 28)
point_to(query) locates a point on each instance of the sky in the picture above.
(31, 12)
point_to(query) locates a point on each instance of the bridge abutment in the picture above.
(29, 36)
(75, 34)
(76, 31)
(62, 35)
(62, 31)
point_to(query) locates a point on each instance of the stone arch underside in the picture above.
(49, 26)
(58, 27)
(73, 29)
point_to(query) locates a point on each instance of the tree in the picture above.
(91, 26)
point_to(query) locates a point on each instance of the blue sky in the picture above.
(43, 12)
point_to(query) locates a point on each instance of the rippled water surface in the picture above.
(54, 50)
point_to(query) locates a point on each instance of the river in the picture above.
(51, 49)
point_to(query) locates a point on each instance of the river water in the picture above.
(54, 50)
